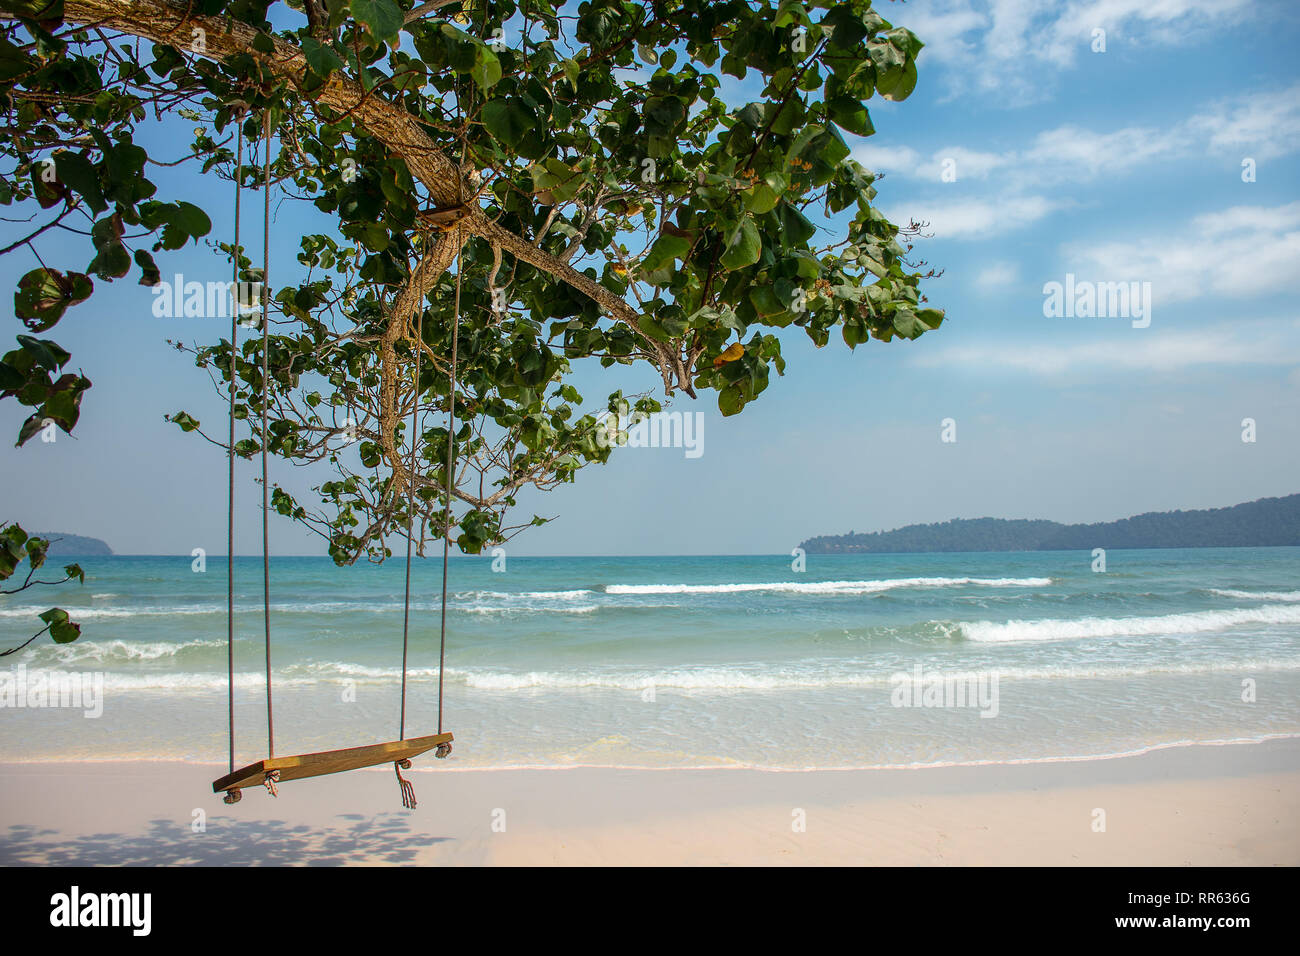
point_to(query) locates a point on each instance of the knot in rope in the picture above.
(408, 791)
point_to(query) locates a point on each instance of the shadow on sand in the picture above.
(383, 839)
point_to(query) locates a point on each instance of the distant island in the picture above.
(1268, 522)
(73, 544)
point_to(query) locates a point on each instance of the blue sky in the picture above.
(1115, 166)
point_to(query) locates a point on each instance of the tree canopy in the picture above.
(549, 183)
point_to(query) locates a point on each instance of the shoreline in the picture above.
(1190, 805)
(732, 767)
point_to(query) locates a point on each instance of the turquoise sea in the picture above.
(679, 661)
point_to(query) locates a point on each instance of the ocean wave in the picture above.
(161, 680)
(525, 609)
(1258, 595)
(760, 678)
(826, 587)
(721, 679)
(249, 680)
(86, 613)
(994, 632)
(574, 601)
(300, 607)
(573, 595)
(117, 651)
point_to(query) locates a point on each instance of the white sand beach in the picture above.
(1180, 806)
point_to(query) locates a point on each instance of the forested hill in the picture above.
(1263, 523)
(73, 544)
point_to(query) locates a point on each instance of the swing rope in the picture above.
(230, 500)
(410, 513)
(408, 792)
(443, 750)
(449, 477)
(266, 368)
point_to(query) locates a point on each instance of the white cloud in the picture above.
(1263, 125)
(964, 163)
(1254, 343)
(997, 275)
(975, 218)
(1260, 125)
(1013, 48)
(905, 161)
(887, 159)
(1250, 219)
(1071, 152)
(1241, 251)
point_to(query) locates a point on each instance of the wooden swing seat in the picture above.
(328, 761)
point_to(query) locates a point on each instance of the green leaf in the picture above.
(185, 420)
(905, 40)
(48, 13)
(45, 294)
(561, 180)
(65, 633)
(487, 68)
(192, 219)
(766, 302)
(321, 58)
(79, 173)
(855, 333)
(13, 61)
(44, 353)
(897, 84)
(930, 318)
(383, 18)
(731, 399)
(509, 121)
(112, 262)
(61, 629)
(665, 249)
(762, 198)
(744, 246)
(572, 70)
(149, 274)
(849, 114)
(795, 224)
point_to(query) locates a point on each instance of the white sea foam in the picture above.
(572, 595)
(526, 609)
(172, 681)
(1258, 595)
(304, 607)
(1193, 622)
(195, 682)
(720, 679)
(827, 587)
(117, 651)
(758, 677)
(85, 613)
